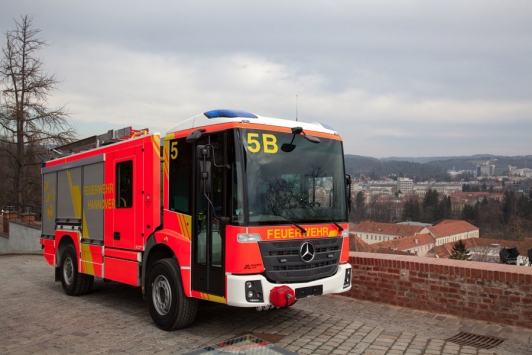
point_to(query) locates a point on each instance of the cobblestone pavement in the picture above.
(37, 317)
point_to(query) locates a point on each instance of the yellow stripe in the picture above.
(167, 139)
(214, 298)
(86, 259)
(75, 194)
(165, 160)
(84, 227)
(183, 225)
(156, 142)
(188, 226)
(179, 222)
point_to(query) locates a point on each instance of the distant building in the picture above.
(485, 170)
(374, 232)
(451, 230)
(447, 188)
(483, 249)
(405, 185)
(416, 244)
(526, 172)
(501, 170)
(444, 232)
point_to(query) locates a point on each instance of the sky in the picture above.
(394, 78)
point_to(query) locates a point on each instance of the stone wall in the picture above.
(484, 291)
(22, 237)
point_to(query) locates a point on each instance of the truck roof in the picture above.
(222, 116)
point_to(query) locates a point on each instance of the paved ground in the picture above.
(37, 317)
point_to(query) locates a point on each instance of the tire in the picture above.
(74, 283)
(169, 308)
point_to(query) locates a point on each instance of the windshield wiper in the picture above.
(337, 225)
(303, 230)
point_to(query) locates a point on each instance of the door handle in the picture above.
(116, 235)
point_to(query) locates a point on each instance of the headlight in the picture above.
(248, 237)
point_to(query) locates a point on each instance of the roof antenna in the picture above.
(296, 108)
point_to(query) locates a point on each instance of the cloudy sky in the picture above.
(394, 78)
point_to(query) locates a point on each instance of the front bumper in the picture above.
(236, 289)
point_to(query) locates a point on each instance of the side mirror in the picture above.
(288, 147)
(312, 139)
(348, 187)
(204, 156)
(194, 136)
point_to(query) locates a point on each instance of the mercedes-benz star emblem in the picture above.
(307, 252)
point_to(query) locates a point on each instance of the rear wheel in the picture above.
(169, 307)
(74, 283)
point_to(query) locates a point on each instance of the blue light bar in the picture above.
(327, 126)
(229, 113)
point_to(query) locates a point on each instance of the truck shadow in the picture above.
(128, 302)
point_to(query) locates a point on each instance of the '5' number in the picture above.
(173, 150)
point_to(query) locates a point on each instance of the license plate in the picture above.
(309, 291)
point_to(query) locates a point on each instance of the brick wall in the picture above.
(484, 291)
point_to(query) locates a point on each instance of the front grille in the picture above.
(305, 266)
(296, 251)
(283, 262)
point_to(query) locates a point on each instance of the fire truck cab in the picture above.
(239, 209)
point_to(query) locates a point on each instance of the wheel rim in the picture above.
(162, 295)
(68, 271)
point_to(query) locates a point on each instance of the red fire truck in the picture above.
(239, 209)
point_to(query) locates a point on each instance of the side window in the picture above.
(124, 184)
(180, 176)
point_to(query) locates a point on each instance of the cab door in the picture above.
(125, 228)
(208, 243)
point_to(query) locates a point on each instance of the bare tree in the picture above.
(27, 123)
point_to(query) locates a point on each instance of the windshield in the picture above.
(291, 180)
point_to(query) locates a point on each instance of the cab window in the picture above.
(124, 184)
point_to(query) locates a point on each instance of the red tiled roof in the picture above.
(401, 230)
(357, 244)
(451, 227)
(440, 251)
(407, 242)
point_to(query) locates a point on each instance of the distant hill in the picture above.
(423, 160)
(470, 163)
(423, 168)
(356, 165)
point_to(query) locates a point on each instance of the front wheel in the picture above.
(74, 283)
(169, 307)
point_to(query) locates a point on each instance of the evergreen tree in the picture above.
(460, 252)
(471, 213)
(509, 207)
(358, 213)
(438, 213)
(448, 207)
(430, 199)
